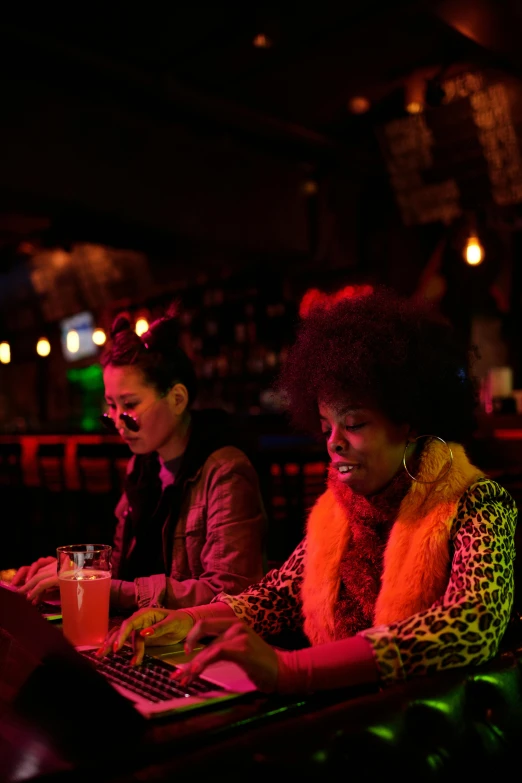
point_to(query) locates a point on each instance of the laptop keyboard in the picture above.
(151, 679)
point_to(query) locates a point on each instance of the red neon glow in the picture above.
(508, 434)
(316, 298)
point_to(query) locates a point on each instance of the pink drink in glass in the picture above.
(84, 595)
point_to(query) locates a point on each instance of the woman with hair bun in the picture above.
(190, 522)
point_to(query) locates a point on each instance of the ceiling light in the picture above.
(142, 326)
(43, 347)
(415, 94)
(310, 187)
(414, 107)
(99, 337)
(262, 41)
(5, 353)
(358, 104)
(73, 341)
(473, 252)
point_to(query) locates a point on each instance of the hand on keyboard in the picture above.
(152, 679)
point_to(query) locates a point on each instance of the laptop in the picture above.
(147, 688)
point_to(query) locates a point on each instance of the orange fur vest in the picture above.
(417, 555)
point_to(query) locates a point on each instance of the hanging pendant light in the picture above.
(473, 251)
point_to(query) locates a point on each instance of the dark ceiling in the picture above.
(202, 54)
(200, 59)
(195, 64)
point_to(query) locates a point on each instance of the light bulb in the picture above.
(99, 337)
(5, 353)
(415, 93)
(73, 341)
(43, 347)
(414, 107)
(142, 326)
(310, 187)
(473, 252)
(262, 41)
(359, 104)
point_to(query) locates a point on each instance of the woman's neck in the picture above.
(178, 443)
(379, 507)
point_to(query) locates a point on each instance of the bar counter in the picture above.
(463, 724)
(30, 444)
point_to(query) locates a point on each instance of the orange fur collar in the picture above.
(416, 560)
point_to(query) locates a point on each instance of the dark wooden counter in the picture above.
(438, 728)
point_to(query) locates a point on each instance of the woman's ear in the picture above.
(179, 398)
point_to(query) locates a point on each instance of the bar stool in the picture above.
(55, 518)
(11, 473)
(94, 468)
(101, 467)
(291, 481)
(50, 458)
(15, 498)
(120, 455)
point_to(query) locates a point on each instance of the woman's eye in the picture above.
(326, 433)
(129, 406)
(355, 427)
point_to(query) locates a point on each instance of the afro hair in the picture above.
(381, 349)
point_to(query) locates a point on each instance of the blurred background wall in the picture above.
(242, 160)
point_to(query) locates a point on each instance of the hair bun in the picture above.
(163, 334)
(121, 323)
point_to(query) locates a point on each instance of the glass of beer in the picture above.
(84, 576)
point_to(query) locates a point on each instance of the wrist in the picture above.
(187, 620)
(123, 595)
(290, 677)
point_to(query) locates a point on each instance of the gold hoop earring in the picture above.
(439, 478)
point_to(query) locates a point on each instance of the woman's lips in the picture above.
(343, 468)
(342, 471)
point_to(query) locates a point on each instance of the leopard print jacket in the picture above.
(462, 628)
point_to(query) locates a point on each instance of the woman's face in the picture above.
(159, 417)
(365, 447)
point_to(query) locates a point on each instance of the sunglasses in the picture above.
(130, 422)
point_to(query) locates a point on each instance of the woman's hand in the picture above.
(152, 626)
(38, 578)
(235, 642)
